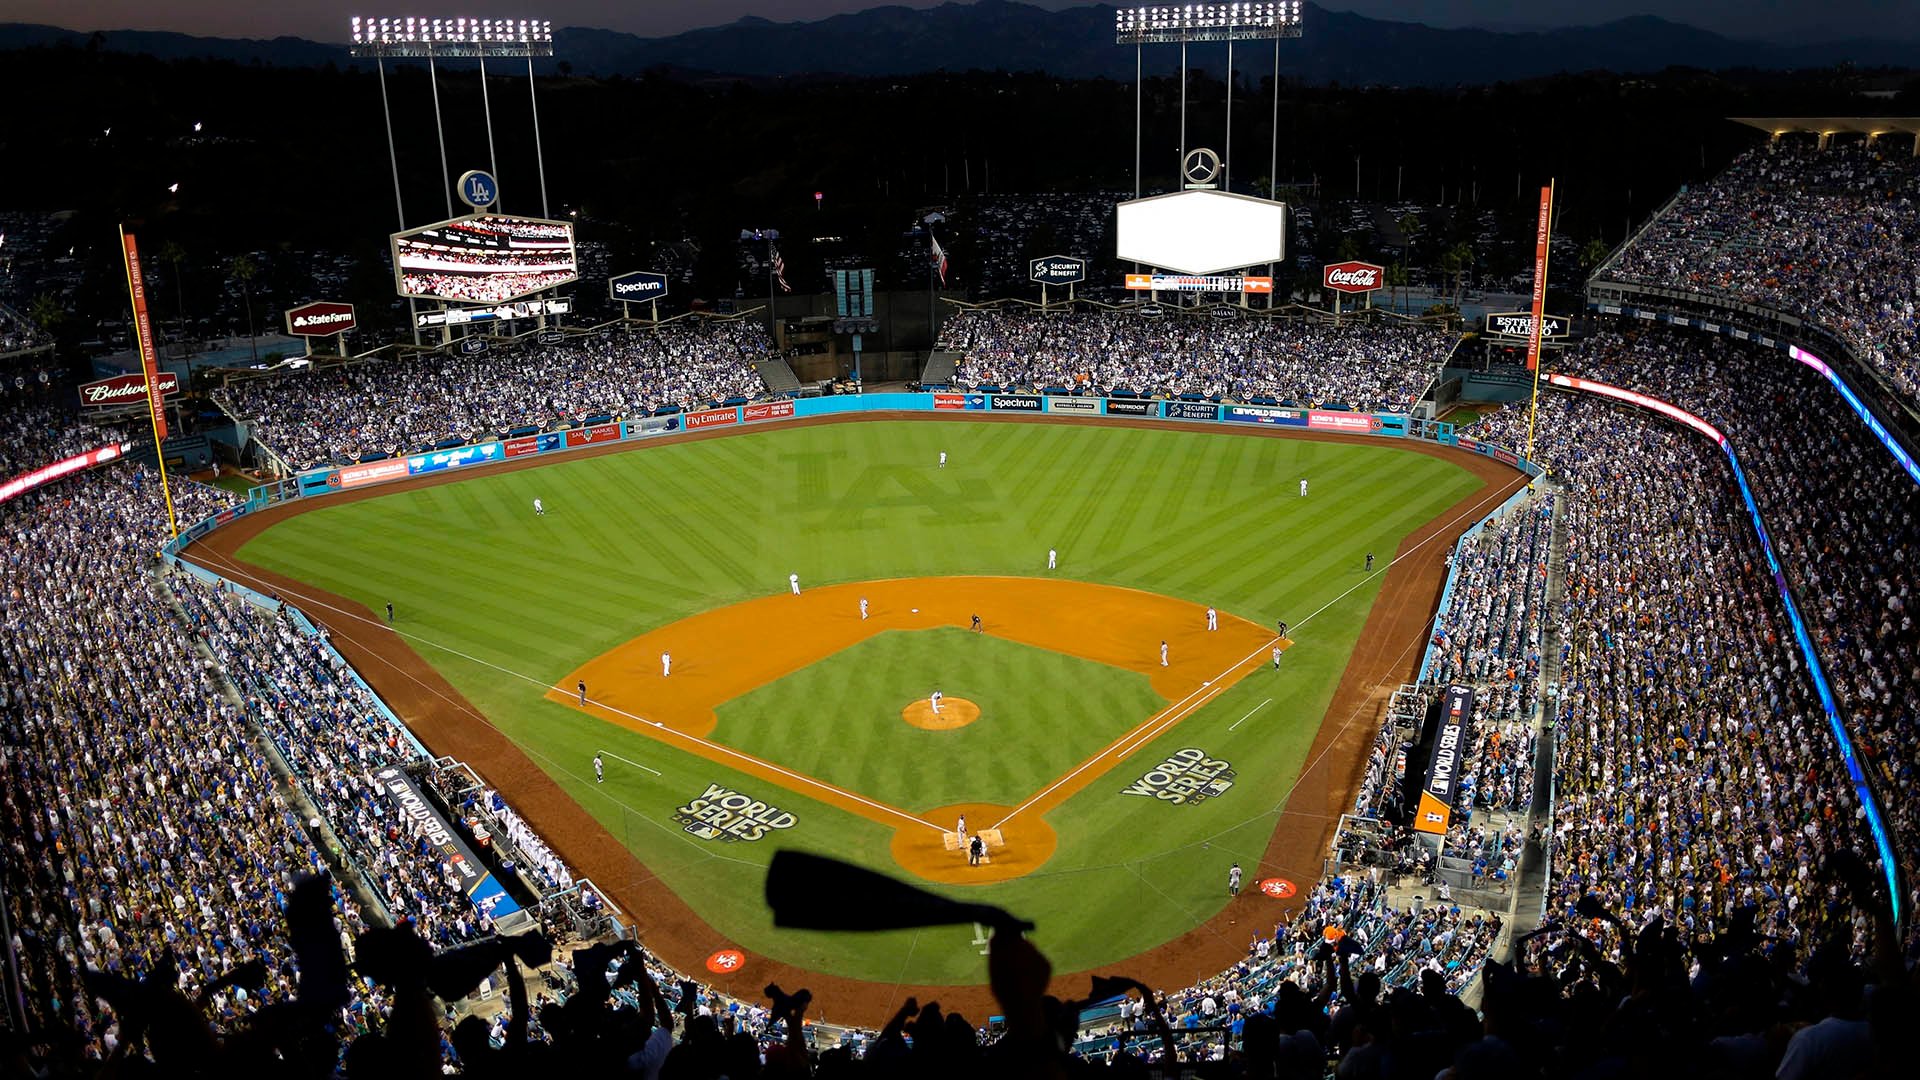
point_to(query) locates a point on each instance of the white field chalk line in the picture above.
(627, 760)
(1250, 712)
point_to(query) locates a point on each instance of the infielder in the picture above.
(934, 700)
(943, 459)
(1233, 880)
(863, 607)
(1163, 654)
(1053, 559)
(793, 582)
(539, 508)
(1213, 619)
(1303, 487)
(666, 664)
(599, 770)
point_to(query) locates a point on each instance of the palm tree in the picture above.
(243, 270)
(1593, 253)
(1455, 261)
(171, 252)
(1397, 277)
(46, 313)
(1410, 228)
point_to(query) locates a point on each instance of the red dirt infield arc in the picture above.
(1385, 655)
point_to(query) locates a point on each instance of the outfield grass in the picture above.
(504, 603)
(1041, 713)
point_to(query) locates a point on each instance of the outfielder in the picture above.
(943, 459)
(793, 582)
(1369, 562)
(539, 508)
(1213, 619)
(863, 607)
(666, 664)
(1053, 559)
(1303, 487)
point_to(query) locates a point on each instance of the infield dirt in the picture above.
(1385, 655)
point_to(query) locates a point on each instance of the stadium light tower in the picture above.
(455, 39)
(1164, 24)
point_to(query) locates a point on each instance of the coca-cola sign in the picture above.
(1353, 277)
(322, 318)
(125, 390)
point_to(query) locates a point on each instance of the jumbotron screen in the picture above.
(484, 259)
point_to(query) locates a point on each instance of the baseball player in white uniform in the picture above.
(666, 664)
(1303, 487)
(863, 607)
(1276, 658)
(539, 509)
(961, 830)
(1053, 559)
(1213, 619)
(1233, 880)
(1163, 654)
(599, 770)
(793, 582)
(934, 700)
(943, 459)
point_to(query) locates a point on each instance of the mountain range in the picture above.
(1077, 43)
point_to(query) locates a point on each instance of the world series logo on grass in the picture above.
(726, 815)
(1187, 778)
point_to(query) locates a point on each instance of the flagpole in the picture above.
(149, 366)
(1543, 250)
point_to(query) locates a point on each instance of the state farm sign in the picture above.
(322, 318)
(124, 390)
(1353, 277)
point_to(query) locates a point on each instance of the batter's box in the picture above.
(951, 840)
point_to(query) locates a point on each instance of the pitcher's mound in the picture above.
(955, 712)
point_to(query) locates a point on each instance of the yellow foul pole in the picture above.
(149, 365)
(1542, 241)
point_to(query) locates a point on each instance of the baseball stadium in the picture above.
(1177, 674)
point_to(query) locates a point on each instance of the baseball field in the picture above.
(1114, 790)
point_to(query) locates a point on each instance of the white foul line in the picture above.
(1250, 712)
(626, 760)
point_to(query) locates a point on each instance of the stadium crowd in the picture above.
(1359, 365)
(401, 405)
(1832, 235)
(1841, 514)
(39, 426)
(17, 332)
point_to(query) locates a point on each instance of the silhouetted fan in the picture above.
(813, 892)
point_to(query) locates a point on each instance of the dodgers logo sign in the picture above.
(477, 189)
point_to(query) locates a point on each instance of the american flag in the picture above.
(779, 269)
(939, 257)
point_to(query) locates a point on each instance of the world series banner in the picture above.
(1437, 794)
(476, 881)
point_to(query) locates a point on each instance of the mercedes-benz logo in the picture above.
(1201, 166)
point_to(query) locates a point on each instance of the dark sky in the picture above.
(326, 20)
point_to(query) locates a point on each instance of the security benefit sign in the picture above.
(723, 814)
(1437, 794)
(1187, 778)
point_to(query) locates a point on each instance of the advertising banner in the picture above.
(766, 410)
(373, 472)
(1519, 324)
(1266, 414)
(1073, 404)
(319, 483)
(1057, 270)
(1213, 283)
(143, 334)
(550, 440)
(638, 285)
(1192, 410)
(1014, 403)
(949, 401)
(1542, 235)
(1358, 423)
(322, 318)
(476, 881)
(600, 433)
(521, 447)
(712, 418)
(1132, 407)
(26, 482)
(976, 401)
(456, 458)
(653, 425)
(1435, 812)
(1353, 277)
(124, 390)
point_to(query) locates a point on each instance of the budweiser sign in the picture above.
(322, 318)
(125, 390)
(1353, 277)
